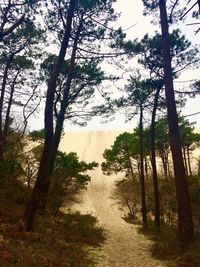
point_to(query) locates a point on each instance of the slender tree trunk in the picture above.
(3, 88)
(146, 167)
(198, 171)
(185, 160)
(44, 168)
(131, 167)
(7, 119)
(189, 161)
(153, 161)
(164, 162)
(185, 222)
(142, 178)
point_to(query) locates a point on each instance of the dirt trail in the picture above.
(123, 247)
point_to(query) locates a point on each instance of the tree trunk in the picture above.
(3, 88)
(189, 161)
(61, 117)
(44, 168)
(165, 168)
(153, 160)
(142, 179)
(146, 167)
(7, 119)
(131, 167)
(185, 222)
(185, 160)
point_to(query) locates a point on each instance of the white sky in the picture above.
(131, 14)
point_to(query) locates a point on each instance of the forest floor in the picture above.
(65, 240)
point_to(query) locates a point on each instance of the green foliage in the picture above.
(175, 9)
(37, 135)
(150, 48)
(188, 137)
(119, 157)
(88, 73)
(138, 92)
(68, 178)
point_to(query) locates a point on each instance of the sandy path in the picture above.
(123, 247)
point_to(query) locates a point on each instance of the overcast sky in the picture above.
(131, 14)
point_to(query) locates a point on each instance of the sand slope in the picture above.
(123, 246)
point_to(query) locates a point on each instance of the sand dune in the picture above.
(124, 247)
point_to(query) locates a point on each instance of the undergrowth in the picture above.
(62, 241)
(167, 246)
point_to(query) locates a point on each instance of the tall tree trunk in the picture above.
(3, 88)
(61, 117)
(7, 119)
(153, 160)
(142, 178)
(44, 168)
(185, 222)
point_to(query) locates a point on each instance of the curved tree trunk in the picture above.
(185, 222)
(44, 168)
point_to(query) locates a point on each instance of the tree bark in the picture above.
(142, 178)
(44, 168)
(185, 221)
